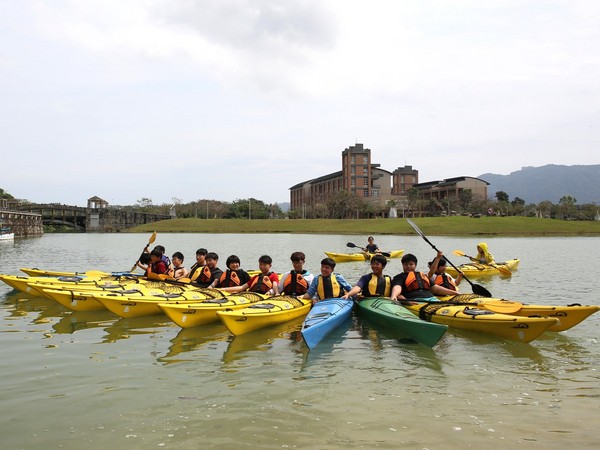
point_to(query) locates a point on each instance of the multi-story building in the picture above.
(359, 176)
(450, 189)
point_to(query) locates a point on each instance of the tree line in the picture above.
(347, 205)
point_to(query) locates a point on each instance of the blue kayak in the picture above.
(397, 318)
(323, 318)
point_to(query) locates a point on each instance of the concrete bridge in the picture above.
(98, 217)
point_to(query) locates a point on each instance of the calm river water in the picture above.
(92, 380)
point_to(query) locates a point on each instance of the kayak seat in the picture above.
(476, 312)
(263, 306)
(167, 296)
(70, 279)
(218, 301)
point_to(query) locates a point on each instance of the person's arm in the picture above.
(396, 293)
(459, 277)
(216, 276)
(355, 290)
(434, 264)
(312, 289)
(282, 281)
(343, 283)
(234, 289)
(275, 279)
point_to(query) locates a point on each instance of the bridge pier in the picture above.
(23, 224)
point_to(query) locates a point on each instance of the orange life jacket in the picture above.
(261, 283)
(416, 283)
(295, 283)
(229, 278)
(444, 280)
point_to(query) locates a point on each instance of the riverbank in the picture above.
(440, 226)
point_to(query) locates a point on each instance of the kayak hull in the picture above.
(76, 301)
(359, 256)
(475, 318)
(128, 306)
(394, 316)
(188, 315)
(483, 270)
(265, 313)
(324, 317)
(568, 316)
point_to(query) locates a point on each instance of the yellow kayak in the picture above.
(275, 310)
(83, 300)
(360, 256)
(30, 284)
(34, 272)
(476, 318)
(475, 270)
(568, 316)
(137, 306)
(188, 315)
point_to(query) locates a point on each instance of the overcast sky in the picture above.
(229, 99)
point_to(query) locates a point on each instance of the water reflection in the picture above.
(21, 304)
(125, 328)
(288, 335)
(329, 344)
(488, 390)
(83, 320)
(190, 339)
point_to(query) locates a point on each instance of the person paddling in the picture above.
(371, 246)
(438, 276)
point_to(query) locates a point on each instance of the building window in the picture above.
(375, 193)
(353, 159)
(366, 181)
(365, 159)
(353, 182)
(365, 192)
(353, 170)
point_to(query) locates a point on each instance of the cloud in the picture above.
(265, 94)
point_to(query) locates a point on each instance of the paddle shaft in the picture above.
(150, 241)
(476, 287)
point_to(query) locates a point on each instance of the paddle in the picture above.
(503, 270)
(477, 289)
(150, 241)
(351, 245)
(502, 306)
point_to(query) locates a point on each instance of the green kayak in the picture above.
(396, 317)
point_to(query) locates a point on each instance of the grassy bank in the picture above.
(441, 226)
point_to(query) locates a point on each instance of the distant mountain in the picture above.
(285, 206)
(551, 182)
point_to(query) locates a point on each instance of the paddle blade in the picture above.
(386, 254)
(503, 270)
(480, 290)
(152, 238)
(459, 253)
(351, 245)
(502, 306)
(96, 273)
